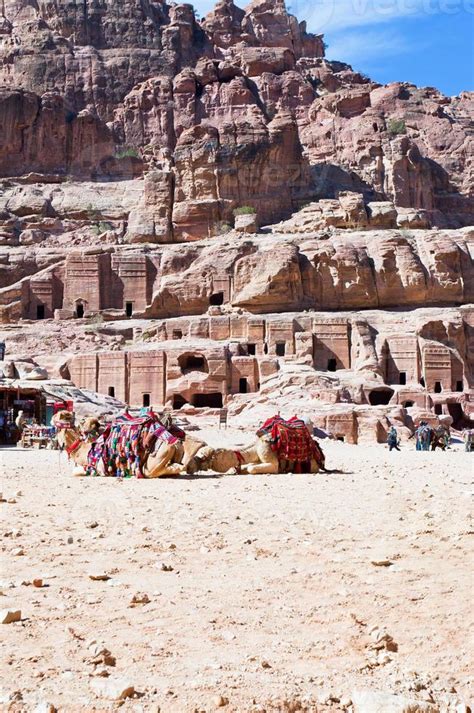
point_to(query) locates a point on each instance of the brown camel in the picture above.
(167, 459)
(259, 458)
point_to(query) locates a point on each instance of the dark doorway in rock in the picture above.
(280, 349)
(332, 364)
(437, 387)
(217, 299)
(111, 391)
(178, 401)
(146, 401)
(207, 400)
(265, 348)
(381, 397)
(40, 312)
(402, 378)
(459, 386)
(408, 404)
(438, 409)
(192, 362)
(79, 311)
(243, 386)
(251, 349)
(341, 438)
(177, 334)
(460, 420)
(129, 309)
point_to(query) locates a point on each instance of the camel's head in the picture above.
(90, 425)
(201, 461)
(63, 420)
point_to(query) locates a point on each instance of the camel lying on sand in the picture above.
(259, 458)
(166, 460)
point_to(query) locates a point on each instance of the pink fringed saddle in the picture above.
(126, 443)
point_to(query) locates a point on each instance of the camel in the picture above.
(166, 460)
(259, 458)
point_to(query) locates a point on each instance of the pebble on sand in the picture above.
(220, 701)
(166, 567)
(9, 616)
(99, 577)
(140, 598)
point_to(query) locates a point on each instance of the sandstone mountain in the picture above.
(142, 148)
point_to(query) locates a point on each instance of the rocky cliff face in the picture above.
(131, 133)
(238, 108)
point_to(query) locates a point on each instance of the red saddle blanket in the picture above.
(292, 440)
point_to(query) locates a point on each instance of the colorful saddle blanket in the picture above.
(123, 447)
(292, 441)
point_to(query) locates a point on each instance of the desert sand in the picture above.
(258, 593)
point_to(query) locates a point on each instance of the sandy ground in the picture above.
(271, 595)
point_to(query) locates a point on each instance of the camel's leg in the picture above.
(161, 463)
(314, 467)
(262, 469)
(172, 469)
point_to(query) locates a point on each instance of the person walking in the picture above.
(392, 439)
(468, 435)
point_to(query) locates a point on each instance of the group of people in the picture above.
(431, 438)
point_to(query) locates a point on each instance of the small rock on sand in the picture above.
(99, 577)
(140, 598)
(9, 616)
(219, 701)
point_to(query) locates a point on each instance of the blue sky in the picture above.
(426, 42)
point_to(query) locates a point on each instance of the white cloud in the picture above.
(364, 47)
(335, 15)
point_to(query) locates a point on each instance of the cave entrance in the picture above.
(402, 378)
(459, 386)
(79, 311)
(40, 312)
(408, 404)
(251, 349)
(217, 299)
(438, 409)
(437, 387)
(146, 402)
(111, 391)
(332, 364)
(178, 401)
(192, 362)
(460, 420)
(381, 397)
(243, 386)
(207, 400)
(280, 349)
(129, 309)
